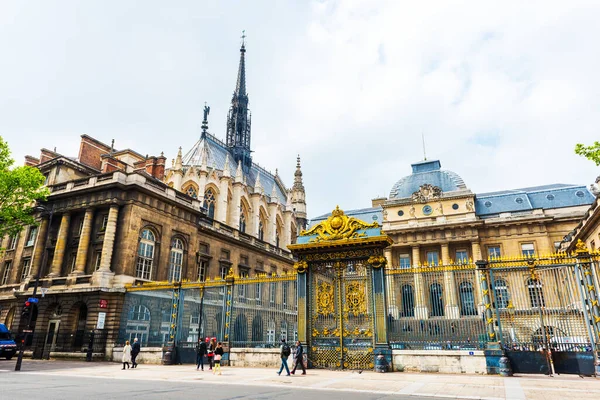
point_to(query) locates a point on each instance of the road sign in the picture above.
(103, 303)
(33, 299)
(101, 319)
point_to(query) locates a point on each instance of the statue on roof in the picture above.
(206, 112)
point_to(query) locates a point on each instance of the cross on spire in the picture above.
(243, 37)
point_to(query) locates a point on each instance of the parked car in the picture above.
(8, 347)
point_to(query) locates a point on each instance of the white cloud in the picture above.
(501, 91)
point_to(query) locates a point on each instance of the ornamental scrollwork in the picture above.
(426, 192)
(580, 247)
(377, 261)
(325, 299)
(355, 299)
(301, 267)
(338, 226)
(341, 255)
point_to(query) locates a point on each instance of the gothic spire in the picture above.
(298, 176)
(238, 119)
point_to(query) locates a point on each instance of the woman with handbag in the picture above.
(212, 345)
(218, 355)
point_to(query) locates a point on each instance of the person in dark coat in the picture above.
(299, 358)
(201, 351)
(135, 350)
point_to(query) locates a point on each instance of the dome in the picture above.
(427, 172)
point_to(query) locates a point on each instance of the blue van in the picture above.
(8, 347)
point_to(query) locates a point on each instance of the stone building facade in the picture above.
(116, 217)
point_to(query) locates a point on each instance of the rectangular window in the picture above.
(31, 236)
(244, 260)
(225, 254)
(72, 260)
(79, 227)
(272, 292)
(284, 290)
(12, 242)
(97, 260)
(433, 258)
(224, 270)
(204, 248)
(6, 274)
(202, 267)
(527, 249)
(104, 222)
(405, 261)
(494, 252)
(26, 268)
(244, 273)
(258, 292)
(461, 256)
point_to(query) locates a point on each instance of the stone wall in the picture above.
(443, 361)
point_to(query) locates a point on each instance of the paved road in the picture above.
(24, 386)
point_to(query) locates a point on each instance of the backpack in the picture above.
(285, 350)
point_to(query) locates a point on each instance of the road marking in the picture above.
(513, 389)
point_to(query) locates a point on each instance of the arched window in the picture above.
(536, 294)
(408, 301)
(436, 300)
(467, 300)
(143, 269)
(209, 202)
(257, 329)
(501, 292)
(138, 324)
(261, 230)
(175, 260)
(191, 191)
(242, 220)
(240, 329)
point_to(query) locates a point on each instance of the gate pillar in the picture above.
(301, 268)
(382, 347)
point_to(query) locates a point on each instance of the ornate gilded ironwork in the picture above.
(377, 261)
(300, 267)
(325, 300)
(355, 299)
(338, 226)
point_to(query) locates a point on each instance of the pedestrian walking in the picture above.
(212, 345)
(299, 358)
(135, 350)
(126, 355)
(284, 352)
(201, 351)
(218, 355)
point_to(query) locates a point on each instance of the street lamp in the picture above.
(43, 210)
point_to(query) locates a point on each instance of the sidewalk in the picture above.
(435, 385)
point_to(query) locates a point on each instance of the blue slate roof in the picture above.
(537, 197)
(368, 215)
(217, 151)
(427, 172)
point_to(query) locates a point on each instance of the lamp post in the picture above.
(50, 213)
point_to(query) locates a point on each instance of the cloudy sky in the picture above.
(500, 92)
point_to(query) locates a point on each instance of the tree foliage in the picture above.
(592, 152)
(20, 188)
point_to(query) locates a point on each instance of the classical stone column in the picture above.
(61, 244)
(421, 309)
(391, 289)
(450, 294)
(84, 242)
(109, 239)
(476, 254)
(40, 244)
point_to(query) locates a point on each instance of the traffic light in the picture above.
(26, 310)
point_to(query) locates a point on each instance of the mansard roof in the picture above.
(427, 172)
(216, 153)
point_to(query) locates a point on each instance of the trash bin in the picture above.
(168, 357)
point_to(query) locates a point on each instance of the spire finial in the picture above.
(205, 120)
(243, 38)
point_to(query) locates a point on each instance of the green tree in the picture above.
(592, 152)
(20, 188)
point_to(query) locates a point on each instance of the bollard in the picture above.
(504, 367)
(381, 364)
